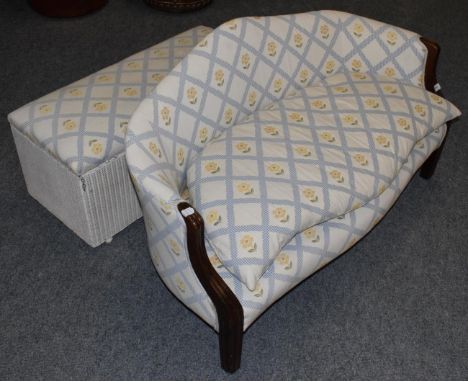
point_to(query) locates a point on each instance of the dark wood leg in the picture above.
(228, 307)
(231, 332)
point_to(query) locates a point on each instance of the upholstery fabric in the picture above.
(167, 131)
(320, 152)
(84, 124)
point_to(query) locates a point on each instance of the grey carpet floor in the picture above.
(395, 306)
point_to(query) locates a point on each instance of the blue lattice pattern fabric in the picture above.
(242, 67)
(84, 124)
(320, 152)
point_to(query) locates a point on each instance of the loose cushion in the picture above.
(84, 124)
(318, 153)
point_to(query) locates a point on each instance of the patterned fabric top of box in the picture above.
(84, 124)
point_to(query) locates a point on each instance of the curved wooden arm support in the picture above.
(228, 308)
(431, 84)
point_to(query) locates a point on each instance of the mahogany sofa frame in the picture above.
(228, 308)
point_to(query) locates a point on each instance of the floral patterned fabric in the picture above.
(84, 124)
(319, 153)
(209, 91)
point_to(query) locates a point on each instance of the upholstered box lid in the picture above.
(84, 124)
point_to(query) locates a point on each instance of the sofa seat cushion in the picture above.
(84, 124)
(318, 153)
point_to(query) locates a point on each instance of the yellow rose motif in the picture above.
(157, 77)
(298, 40)
(203, 43)
(302, 150)
(337, 175)
(319, 104)
(213, 217)
(100, 106)
(215, 261)
(212, 167)
(420, 109)
(392, 37)
(133, 65)
(310, 195)
(275, 169)
(341, 89)
(359, 76)
(245, 60)
(270, 130)
(180, 156)
(358, 29)
(437, 99)
(382, 188)
(104, 78)
(311, 234)
(296, 117)
(96, 146)
(153, 147)
(124, 126)
(303, 76)
(192, 95)
(390, 72)
(243, 147)
(280, 214)
(69, 125)
(45, 109)
(244, 188)
(278, 85)
(231, 24)
(420, 79)
(248, 243)
(166, 208)
(283, 260)
(324, 31)
(76, 92)
(228, 114)
(403, 123)
(390, 89)
(330, 66)
(252, 98)
(183, 41)
(219, 77)
(383, 141)
(350, 120)
(174, 247)
(356, 65)
(157, 52)
(420, 145)
(372, 102)
(166, 115)
(131, 92)
(203, 134)
(326, 136)
(258, 291)
(271, 49)
(180, 284)
(361, 159)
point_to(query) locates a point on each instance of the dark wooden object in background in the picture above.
(66, 8)
(178, 5)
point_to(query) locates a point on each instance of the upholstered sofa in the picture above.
(272, 148)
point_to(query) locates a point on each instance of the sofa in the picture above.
(274, 146)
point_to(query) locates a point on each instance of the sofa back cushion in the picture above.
(249, 62)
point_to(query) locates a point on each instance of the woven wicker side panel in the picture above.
(52, 184)
(111, 201)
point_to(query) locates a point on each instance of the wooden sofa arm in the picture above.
(228, 308)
